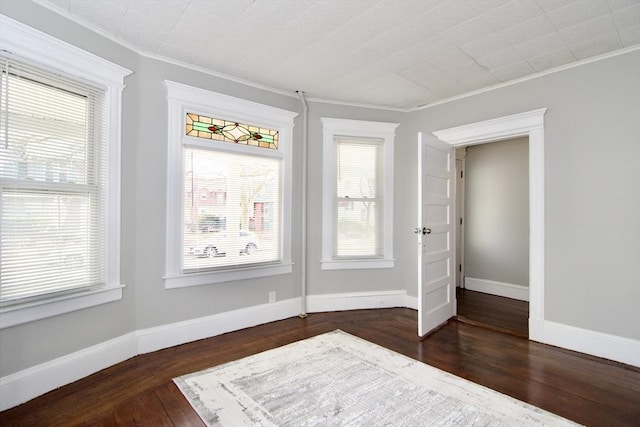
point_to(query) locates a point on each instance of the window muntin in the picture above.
(357, 212)
(230, 131)
(52, 176)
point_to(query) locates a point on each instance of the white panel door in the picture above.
(436, 280)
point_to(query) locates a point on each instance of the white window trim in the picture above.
(50, 53)
(182, 99)
(356, 128)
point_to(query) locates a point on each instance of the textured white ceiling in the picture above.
(390, 53)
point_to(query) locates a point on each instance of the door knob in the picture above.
(423, 230)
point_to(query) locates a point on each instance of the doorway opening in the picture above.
(531, 125)
(492, 235)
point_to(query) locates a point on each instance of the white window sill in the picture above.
(211, 277)
(24, 313)
(357, 264)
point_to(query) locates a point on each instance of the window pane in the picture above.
(47, 244)
(356, 170)
(229, 131)
(231, 210)
(45, 132)
(52, 176)
(357, 218)
(357, 229)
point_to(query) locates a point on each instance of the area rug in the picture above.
(336, 379)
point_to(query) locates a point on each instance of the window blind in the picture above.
(358, 201)
(52, 182)
(232, 207)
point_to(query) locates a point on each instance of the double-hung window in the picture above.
(357, 194)
(358, 198)
(59, 243)
(229, 183)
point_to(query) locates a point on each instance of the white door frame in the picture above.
(460, 193)
(530, 124)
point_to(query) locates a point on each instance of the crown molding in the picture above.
(204, 70)
(65, 13)
(358, 105)
(60, 11)
(529, 77)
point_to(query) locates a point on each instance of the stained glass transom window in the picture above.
(229, 131)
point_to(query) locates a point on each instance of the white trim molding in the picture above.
(74, 18)
(181, 99)
(533, 76)
(42, 309)
(493, 130)
(332, 128)
(29, 383)
(599, 344)
(157, 338)
(357, 301)
(508, 290)
(32, 382)
(41, 48)
(357, 264)
(531, 125)
(51, 54)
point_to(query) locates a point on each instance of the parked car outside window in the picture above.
(218, 244)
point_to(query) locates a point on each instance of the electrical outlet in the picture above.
(272, 297)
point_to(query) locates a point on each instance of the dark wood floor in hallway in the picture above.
(501, 314)
(140, 390)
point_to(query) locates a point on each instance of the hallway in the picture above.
(493, 312)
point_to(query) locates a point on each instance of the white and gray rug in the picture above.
(337, 379)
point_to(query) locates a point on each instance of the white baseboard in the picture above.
(412, 302)
(599, 344)
(165, 336)
(536, 329)
(32, 382)
(29, 383)
(356, 301)
(502, 289)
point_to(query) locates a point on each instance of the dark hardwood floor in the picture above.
(140, 390)
(494, 312)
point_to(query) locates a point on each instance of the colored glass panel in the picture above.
(223, 130)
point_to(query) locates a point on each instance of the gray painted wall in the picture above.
(336, 281)
(155, 305)
(496, 245)
(592, 200)
(37, 342)
(592, 214)
(146, 302)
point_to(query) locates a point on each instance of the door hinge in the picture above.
(460, 220)
(461, 174)
(460, 268)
